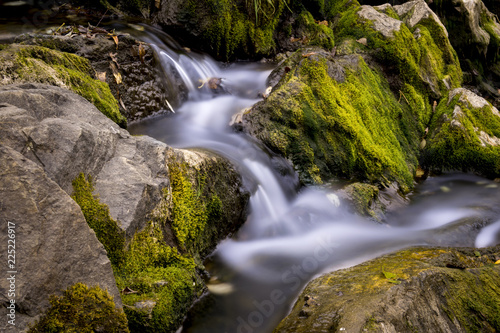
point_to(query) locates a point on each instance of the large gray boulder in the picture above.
(54, 246)
(66, 135)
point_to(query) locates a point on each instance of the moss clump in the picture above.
(232, 28)
(362, 196)
(98, 218)
(464, 137)
(159, 276)
(82, 309)
(317, 34)
(355, 128)
(195, 214)
(43, 65)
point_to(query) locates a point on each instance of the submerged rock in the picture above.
(420, 289)
(54, 246)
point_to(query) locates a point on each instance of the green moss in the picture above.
(362, 197)
(43, 65)
(188, 214)
(82, 309)
(455, 144)
(340, 129)
(157, 274)
(98, 218)
(317, 34)
(236, 29)
(477, 309)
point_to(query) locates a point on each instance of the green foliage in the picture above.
(232, 29)
(82, 310)
(43, 65)
(98, 218)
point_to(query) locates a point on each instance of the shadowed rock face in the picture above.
(54, 246)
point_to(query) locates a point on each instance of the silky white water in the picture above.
(292, 235)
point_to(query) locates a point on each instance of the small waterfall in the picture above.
(291, 236)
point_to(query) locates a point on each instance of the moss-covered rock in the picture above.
(465, 135)
(160, 284)
(82, 309)
(98, 218)
(415, 290)
(343, 115)
(42, 65)
(337, 117)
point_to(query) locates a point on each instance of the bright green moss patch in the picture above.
(159, 277)
(317, 34)
(195, 214)
(464, 138)
(148, 249)
(98, 218)
(43, 65)
(236, 29)
(355, 128)
(82, 309)
(188, 216)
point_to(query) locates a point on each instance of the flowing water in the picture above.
(292, 233)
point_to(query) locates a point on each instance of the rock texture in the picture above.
(141, 90)
(66, 135)
(54, 246)
(411, 290)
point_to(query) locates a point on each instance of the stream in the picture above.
(293, 234)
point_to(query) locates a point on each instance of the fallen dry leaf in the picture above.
(113, 57)
(116, 73)
(142, 52)
(123, 105)
(323, 23)
(101, 76)
(308, 54)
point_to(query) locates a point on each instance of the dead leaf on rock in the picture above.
(293, 39)
(101, 76)
(323, 23)
(122, 105)
(116, 73)
(113, 57)
(213, 83)
(115, 38)
(306, 55)
(142, 52)
(157, 3)
(362, 41)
